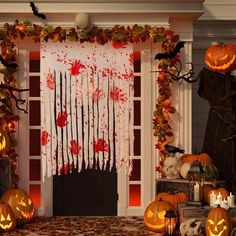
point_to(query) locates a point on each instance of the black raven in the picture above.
(173, 149)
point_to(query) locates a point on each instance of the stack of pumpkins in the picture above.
(210, 171)
(16, 207)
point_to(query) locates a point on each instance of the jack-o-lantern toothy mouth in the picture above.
(218, 234)
(6, 226)
(25, 214)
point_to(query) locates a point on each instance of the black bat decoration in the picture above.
(35, 11)
(170, 54)
(173, 149)
(6, 64)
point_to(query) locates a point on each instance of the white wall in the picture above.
(200, 106)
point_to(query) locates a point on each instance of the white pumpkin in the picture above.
(171, 167)
(184, 170)
(190, 227)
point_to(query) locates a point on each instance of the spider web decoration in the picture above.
(86, 106)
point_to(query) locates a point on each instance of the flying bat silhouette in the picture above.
(170, 54)
(35, 11)
(173, 149)
(6, 64)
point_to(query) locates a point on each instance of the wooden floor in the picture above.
(84, 226)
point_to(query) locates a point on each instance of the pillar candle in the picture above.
(212, 198)
(196, 192)
(219, 198)
(230, 199)
(224, 204)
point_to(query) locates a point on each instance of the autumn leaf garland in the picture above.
(118, 34)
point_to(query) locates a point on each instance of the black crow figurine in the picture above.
(173, 149)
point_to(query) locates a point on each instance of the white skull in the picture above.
(172, 167)
(190, 227)
(82, 21)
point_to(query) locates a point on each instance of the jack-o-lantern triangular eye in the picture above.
(2, 218)
(29, 201)
(8, 218)
(22, 202)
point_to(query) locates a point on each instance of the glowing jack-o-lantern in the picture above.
(21, 204)
(218, 222)
(221, 57)
(4, 141)
(154, 215)
(7, 218)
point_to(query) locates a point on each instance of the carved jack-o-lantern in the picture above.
(221, 57)
(7, 218)
(154, 215)
(218, 222)
(21, 204)
(4, 141)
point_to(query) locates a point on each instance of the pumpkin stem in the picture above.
(218, 206)
(15, 186)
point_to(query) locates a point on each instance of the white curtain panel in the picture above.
(86, 106)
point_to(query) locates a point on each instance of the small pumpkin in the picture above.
(224, 192)
(154, 215)
(20, 203)
(218, 222)
(204, 158)
(7, 218)
(173, 197)
(4, 141)
(221, 57)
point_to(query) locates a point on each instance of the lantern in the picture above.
(21, 204)
(218, 222)
(7, 218)
(196, 182)
(170, 222)
(154, 215)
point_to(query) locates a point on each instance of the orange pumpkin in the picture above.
(221, 57)
(173, 197)
(216, 191)
(154, 215)
(204, 158)
(20, 203)
(218, 222)
(7, 218)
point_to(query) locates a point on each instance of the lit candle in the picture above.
(224, 204)
(212, 198)
(219, 198)
(196, 192)
(169, 229)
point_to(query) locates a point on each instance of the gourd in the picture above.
(173, 197)
(204, 158)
